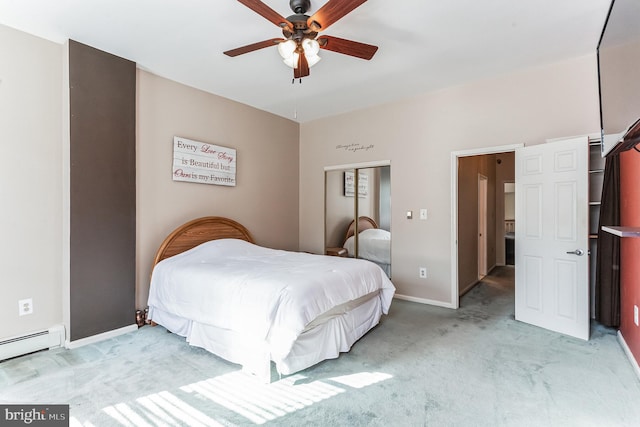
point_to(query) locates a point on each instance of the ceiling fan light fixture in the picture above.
(311, 47)
(312, 59)
(292, 60)
(286, 49)
(300, 44)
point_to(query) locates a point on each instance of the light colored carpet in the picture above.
(422, 366)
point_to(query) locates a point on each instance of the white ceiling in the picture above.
(424, 45)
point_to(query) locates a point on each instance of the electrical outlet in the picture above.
(423, 272)
(635, 315)
(25, 306)
(423, 214)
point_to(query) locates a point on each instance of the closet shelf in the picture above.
(622, 231)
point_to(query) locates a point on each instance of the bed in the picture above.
(261, 307)
(374, 243)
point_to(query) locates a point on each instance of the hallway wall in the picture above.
(468, 170)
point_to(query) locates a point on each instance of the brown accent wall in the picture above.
(103, 191)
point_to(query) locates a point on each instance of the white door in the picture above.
(552, 289)
(482, 226)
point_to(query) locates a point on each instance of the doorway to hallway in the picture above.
(479, 223)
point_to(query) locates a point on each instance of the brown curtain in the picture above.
(607, 287)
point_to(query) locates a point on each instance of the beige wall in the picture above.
(265, 198)
(418, 135)
(30, 181)
(619, 69)
(31, 118)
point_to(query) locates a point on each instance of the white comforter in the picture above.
(374, 244)
(263, 294)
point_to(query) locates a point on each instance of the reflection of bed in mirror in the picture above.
(374, 243)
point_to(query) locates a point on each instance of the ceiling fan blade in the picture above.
(347, 47)
(251, 47)
(332, 11)
(303, 67)
(266, 12)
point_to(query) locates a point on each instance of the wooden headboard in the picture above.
(198, 231)
(364, 223)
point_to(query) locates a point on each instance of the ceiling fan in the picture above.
(301, 44)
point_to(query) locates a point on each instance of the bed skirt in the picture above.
(323, 340)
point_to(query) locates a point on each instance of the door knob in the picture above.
(578, 252)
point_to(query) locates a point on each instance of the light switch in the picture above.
(409, 214)
(423, 214)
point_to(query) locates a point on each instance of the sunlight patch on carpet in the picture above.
(159, 409)
(363, 379)
(238, 392)
(259, 402)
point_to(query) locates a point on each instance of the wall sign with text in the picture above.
(204, 163)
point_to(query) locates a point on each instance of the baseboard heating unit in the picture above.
(25, 344)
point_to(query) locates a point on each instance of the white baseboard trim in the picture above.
(32, 342)
(424, 301)
(100, 337)
(627, 351)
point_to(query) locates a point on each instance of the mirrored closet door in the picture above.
(358, 214)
